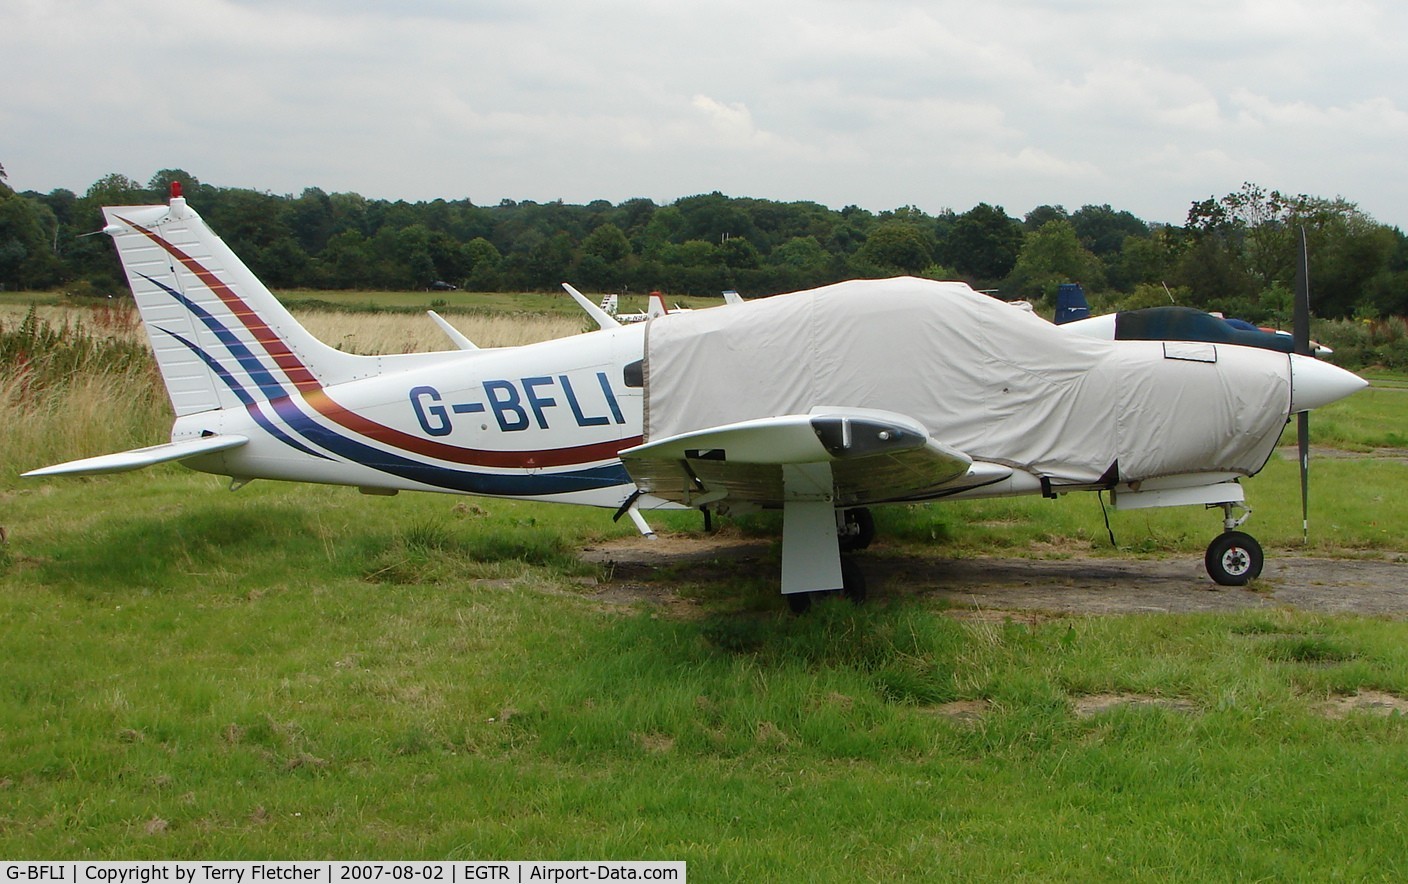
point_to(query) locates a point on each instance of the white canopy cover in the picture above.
(993, 381)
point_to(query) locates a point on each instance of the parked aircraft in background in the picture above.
(819, 403)
(656, 307)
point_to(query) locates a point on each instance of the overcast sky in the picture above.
(1146, 106)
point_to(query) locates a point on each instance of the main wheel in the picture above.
(853, 589)
(859, 529)
(799, 602)
(853, 582)
(1233, 559)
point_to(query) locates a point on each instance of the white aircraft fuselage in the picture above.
(538, 422)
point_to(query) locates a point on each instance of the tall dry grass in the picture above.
(365, 333)
(115, 320)
(383, 333)
(73, 385)
(80, 381)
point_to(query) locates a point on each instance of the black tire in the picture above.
(853, 589)
(1234, 559)
(853, 582)
(860, 529)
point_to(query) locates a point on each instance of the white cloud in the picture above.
(731, 122)
(881, 103)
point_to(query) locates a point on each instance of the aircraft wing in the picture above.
(872, 456)
(141, 457)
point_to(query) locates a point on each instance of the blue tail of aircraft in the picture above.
(1070, 303)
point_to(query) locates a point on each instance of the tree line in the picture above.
(1234, 253)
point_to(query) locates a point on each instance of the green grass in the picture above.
(195, 674)
(26, 299)
(1356, 505)
(303, 672)
(1372, 418)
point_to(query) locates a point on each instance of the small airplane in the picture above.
(820, 403)
(655, 306)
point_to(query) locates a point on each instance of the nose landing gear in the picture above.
(1234, 558)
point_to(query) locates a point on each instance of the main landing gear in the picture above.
(852, 589)
(1234, 558)
(855, 529)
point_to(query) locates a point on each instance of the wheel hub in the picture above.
(1236, 561)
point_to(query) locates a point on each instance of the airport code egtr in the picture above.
(188, 872)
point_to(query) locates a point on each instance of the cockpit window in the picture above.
(635, 373)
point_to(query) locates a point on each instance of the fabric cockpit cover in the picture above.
(998, 383)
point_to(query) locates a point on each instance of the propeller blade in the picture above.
(1303, 443)
(1301, 334)
(1300, 328)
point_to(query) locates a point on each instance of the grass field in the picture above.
(303, 672)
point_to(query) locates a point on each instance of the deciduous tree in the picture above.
(895, 248)
(984, 243)
(1050, 256)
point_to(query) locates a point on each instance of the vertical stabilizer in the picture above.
(657, 306)
(220, 337)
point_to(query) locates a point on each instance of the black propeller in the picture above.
(1300, 332)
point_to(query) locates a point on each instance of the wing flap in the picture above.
(137, 458)
(874, 456)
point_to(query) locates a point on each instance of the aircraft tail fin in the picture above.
(220, 336)
(657, 305)
(1070, 303)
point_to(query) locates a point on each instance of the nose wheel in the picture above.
(1233, 559)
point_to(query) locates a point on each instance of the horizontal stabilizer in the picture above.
(455, 335)
(123, 461)
(603, 319)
